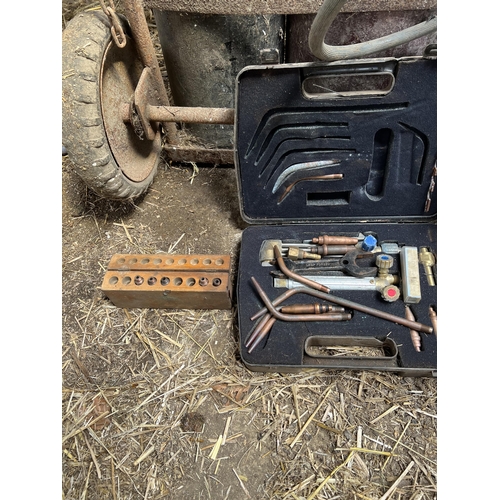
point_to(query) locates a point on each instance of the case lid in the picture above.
(344, 141)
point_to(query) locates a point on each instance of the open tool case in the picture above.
(378, 129)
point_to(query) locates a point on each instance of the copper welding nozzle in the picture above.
(263, 331)
(434, 319)
(331, 249)
(335, 240)
(415, 337)
(310, 309)
(270, 306)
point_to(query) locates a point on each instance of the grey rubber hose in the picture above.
(328, 12)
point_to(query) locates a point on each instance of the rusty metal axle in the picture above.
(183, 114)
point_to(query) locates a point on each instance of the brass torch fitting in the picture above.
(295, 253)
(384, 263)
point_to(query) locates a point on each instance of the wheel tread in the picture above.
(84, 41)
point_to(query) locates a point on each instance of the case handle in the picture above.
(318, 346)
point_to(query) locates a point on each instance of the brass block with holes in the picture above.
(165, 281)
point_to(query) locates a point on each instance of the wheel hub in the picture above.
(120, 74)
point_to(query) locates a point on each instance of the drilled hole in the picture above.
(145, 261)
(132, 261)
(219, 262)
(216, 282)
(194, 262)
(126, 280)
(113, 280)
(165, 281)
(121, 261)
(151, 280)
(178, 281)
(190, 281)
(207, 262)
(182, 261)
(157, 261)
(169, 261)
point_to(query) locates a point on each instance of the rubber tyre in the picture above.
(85, 41)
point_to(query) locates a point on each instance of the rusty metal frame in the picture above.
(241, 7)
(141, 112)
(152, 88)
(134, 12)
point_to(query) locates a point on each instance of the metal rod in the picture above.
(199, 154)
(258, 328)
(276, 302)
(264, 326)
(313, 178)
(298, 317)
(332, 249)
(294, 276)
(134, 12)
(357, 307)
(263, 332)
(311, 309)
(334, 240)
(191, 114)
(339, 283)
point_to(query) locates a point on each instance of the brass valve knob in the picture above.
(384, 263)
(391, 293)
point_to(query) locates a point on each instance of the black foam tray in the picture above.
(384, 142)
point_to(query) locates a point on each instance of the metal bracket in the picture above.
(140, 103)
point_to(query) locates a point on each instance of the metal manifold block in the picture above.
(165, 281)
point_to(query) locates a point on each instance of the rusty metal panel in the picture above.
(166, 281)
(281, 6)
(204, 53)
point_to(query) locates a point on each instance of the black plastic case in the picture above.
(291, 129)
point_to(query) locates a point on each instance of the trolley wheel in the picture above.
(98, 78)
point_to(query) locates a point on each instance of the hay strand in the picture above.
(392, 489)
(310, 419)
